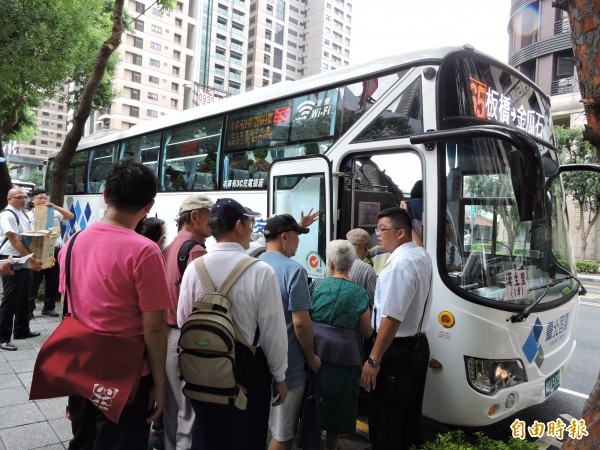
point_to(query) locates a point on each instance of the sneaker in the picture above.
(154, 431)
(49, 312)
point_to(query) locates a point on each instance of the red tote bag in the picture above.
(76, 360)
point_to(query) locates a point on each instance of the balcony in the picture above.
(562, 86)
(562, 26)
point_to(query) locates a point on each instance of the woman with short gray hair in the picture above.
(340, 316)
(341, 253)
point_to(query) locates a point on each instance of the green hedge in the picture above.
(587, 267)
(456, 440)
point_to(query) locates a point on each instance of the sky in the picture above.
(388, 27)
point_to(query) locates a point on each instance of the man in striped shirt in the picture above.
(362, 273)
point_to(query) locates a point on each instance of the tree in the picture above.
(85, 106)
(584, 18)
(37, 177)
(42, 45)
(583, 187)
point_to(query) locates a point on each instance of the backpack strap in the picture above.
(16, 218)
(184, 254)
(208, 286)
(235, 273)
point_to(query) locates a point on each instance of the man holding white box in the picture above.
(51, 295)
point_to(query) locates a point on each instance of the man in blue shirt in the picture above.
(282, 234)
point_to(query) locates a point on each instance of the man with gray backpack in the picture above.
(233, 345)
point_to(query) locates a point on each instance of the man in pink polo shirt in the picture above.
(118, 286)
(178, 416)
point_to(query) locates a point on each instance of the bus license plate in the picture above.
(552, 383)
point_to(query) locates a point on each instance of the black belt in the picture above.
(403, 342)
(174, 327)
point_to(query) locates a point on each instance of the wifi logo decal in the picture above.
(304, 109)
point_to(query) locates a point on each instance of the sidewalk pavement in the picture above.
(26, 424)
(589, 278)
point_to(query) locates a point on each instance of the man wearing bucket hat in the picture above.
(256, 304)
(192, 223)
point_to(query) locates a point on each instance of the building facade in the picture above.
(540, 47)
(202, 51)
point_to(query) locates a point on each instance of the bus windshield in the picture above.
(490, 252)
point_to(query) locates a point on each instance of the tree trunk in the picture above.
(591, 415)
(5, 181)
(584, 18)
(82, 113)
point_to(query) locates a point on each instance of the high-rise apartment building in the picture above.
(204, 50)
(292, 39)
(155, 59)
(540, 47)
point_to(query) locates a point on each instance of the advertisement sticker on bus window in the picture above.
(315, 265)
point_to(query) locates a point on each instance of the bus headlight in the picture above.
(488, 376)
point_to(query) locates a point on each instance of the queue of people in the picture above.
(297, 327)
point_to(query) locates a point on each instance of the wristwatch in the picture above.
(373, 362)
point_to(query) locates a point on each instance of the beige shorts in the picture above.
(283, 419)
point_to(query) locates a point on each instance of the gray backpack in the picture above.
(215, 361)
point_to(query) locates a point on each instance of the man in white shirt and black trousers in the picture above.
(394, 374)
(15, 297)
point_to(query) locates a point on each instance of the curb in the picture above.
(550, 442)
(590, 279)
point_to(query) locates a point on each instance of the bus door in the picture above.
(296, 186)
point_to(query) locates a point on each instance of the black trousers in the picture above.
(14, 304)
(395, 412)
(93, 431)
(225, 427)
(51, 294)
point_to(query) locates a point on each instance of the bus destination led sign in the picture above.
(490, 104)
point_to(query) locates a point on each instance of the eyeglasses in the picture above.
(380, 230)
(41, 198)
(251, 223)
(20, 197)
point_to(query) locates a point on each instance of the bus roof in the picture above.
(281, 90)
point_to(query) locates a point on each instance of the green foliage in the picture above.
(42, 46)
(456, 440)
(37, 177)
(582, 186)
(587, 267)
(25, 129)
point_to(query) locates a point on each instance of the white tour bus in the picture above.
(352, 142)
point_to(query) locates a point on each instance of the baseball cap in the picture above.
(358, 236)
(227, 209)
(194, 202)
(282, 223)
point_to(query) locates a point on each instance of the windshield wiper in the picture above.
(524, 314)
